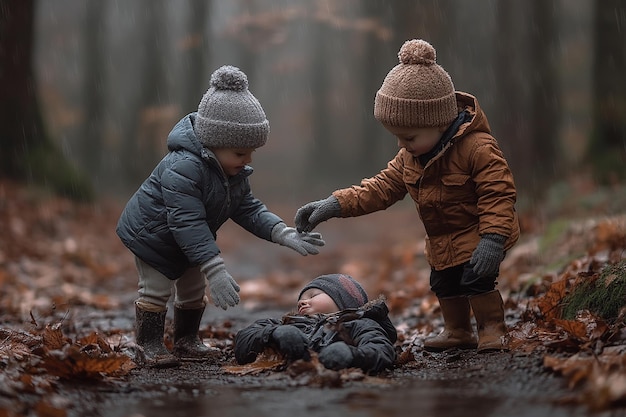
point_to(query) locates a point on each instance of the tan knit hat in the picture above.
(417, 92)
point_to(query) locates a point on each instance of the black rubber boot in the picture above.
(187, 342)
(149, 335)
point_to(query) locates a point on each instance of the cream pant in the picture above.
(155, 289)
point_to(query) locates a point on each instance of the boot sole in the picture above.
(211, 355)
(441, 349)
(493, 349)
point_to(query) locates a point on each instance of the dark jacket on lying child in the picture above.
(357, 334)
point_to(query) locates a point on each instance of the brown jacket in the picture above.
(463, 192)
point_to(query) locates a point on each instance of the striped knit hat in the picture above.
(344, 290)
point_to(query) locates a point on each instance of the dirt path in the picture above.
(453, 383)
(498, 385)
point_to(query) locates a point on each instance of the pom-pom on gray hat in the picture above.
(229, 116)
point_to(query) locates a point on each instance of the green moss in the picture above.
(49, 168)
(554, 231)
(604, 296)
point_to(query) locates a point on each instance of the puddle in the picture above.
(416, 398)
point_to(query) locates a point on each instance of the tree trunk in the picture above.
(322, 163)
(511, 98)
(18, 108)
(545, 99)
(150, 121)
(607, 152)
(28, 154)
(196, 55)
(375, 145)
(94, 87)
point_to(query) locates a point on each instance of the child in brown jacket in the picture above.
(452, 167)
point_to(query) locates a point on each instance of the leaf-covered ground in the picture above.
(68, 285)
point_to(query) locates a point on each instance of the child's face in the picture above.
(233, 160)
(416, 140)
(316, 301)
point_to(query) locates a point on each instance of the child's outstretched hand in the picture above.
(488, 255)
(223, 287)
(312, 214)
(303, 243)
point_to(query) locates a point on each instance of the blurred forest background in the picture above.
(89, 90)
(111, 78)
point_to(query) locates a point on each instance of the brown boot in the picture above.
(489, 313)
(187, 342)
(458, 332)
(149, 335)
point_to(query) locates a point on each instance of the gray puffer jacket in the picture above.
(171, 221)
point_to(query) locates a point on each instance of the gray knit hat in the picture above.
(417, 92)
(229, 116)
(344, 290)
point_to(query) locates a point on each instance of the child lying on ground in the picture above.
(335, 320)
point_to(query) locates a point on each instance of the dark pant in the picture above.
(460, 280)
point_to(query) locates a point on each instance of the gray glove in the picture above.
(312, 214)
(303, 243)
(223, 287)
(337, 356)
(488, 255)
(291, 342)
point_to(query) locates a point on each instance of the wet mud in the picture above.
(452, 383)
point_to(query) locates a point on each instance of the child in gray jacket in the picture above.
(170, 224)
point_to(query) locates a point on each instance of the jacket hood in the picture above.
(478, 122)
(183, 136)
(471, 118)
